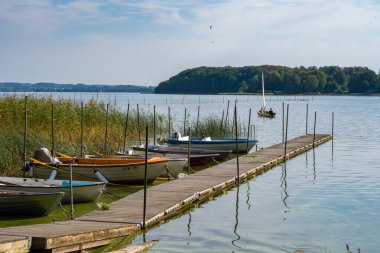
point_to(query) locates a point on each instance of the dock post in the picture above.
(126, 130)
(236, 145)
(188, 154)
(286, 131)
(332, 125)
(221, 122)
(154, 125)
(254, 134)
(106, 133)
(71, 192)
(25, 135)
(283, 121)
(138, 124)
(315, 123)
(249, 123)
(145, 175)
(184, 122)
(81, 128)
(226, 121)
(169, 121)
(52, 130)
(307, 115)
(197, 134)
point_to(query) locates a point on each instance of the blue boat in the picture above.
(208, 143)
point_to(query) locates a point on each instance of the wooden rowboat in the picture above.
(171, 168)
(83, 191)
(113, 170)
(28, 204)
(244, 144)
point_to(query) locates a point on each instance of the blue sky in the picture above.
(146, 42)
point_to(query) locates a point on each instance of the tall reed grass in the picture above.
(67, 128)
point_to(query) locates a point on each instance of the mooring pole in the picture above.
(236, 145)
(197, 121)
(184, 123)
(126, 130)
(286, 130)
(283, 121)
(332, 125)
(52, 130)
(145, 175)
(188, 154)
(169, 121)
(221, 122)
(226, 121)
(81, 128)
(138, 124)
(71, 193)
(25, 135)
(307, 115)
(315, 124)
(154, 125)
(254, 134)
(106, 133)
(249, 123)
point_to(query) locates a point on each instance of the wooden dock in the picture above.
(125, 215)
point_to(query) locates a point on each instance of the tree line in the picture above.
(54, 87)
(278, 80)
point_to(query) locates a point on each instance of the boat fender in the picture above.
(53, 174)
(31, 171)
(100, 176)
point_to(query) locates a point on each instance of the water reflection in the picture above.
(188, 225)
(236, 218)
(248, 195)
(284, 186)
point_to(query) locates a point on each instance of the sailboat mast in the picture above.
(262, 83)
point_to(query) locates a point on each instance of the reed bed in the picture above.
(67, 128)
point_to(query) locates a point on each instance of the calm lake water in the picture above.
(320, 200)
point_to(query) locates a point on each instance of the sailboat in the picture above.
(263, 112)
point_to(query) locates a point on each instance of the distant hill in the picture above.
(278, 80)
(53, 87)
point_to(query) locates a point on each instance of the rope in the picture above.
(170, 176)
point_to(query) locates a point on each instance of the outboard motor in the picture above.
(44, 155)
(176, 135)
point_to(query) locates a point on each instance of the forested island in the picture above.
(278, 80)
(53, 87)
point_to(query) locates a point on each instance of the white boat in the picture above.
(263, 112)
(28, 204)
(112, 170)
(208, 143)
(83, 191)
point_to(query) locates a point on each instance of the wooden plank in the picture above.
(59, 234)
(9, 244)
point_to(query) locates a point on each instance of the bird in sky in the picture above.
(210, 27)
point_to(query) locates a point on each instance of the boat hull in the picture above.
(266, 115)
(173, 167)
(27, 204)
(83, 191)
(217, 144)
(115, 173)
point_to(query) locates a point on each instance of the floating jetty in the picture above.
(125, 216)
